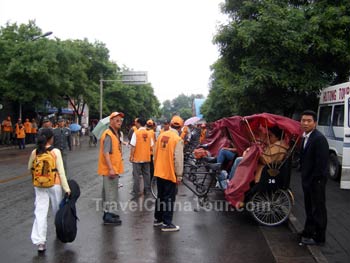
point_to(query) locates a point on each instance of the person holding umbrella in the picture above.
(110, 166)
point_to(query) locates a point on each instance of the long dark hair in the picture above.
(45, 135)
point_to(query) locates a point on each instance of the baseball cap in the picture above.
(60, 119)
(46, 119)
(177, 121)
(115, 114)
(149, 122)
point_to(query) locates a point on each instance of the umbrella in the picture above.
(192, 120)
(101, 126)
(74, 127)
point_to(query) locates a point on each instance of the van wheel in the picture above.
(334, 167)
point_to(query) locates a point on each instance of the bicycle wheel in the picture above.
(271, 208)
(154, 189)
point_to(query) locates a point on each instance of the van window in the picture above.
(338, 116)
(324, 118)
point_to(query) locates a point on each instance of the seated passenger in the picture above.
(275, 151)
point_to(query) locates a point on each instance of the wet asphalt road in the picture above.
(207, 235)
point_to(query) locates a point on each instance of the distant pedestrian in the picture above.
(34, 130)
(7, 130)
(168, 168)
(45, 124)
(110, 166)
(62, 139)
(140, 156)
(43, 196)
(20, 134)
(314, 160)
(28, 129)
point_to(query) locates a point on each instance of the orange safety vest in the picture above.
(115, 155)
(7, 126)
(203, 135)
(164, 166)
(28, 126)
(20, 132)
(142, 151)
(184, 132)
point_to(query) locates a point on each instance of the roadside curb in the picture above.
(296, 226)
(13, 147)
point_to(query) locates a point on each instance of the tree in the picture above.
(273, 53)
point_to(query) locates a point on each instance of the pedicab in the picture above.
(261, 181)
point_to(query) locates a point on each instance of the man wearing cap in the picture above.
(62, 139)
(140, 155)
(168, 168)
(110, 166)
(28, 130)
(45, 124)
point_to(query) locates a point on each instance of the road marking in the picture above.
(13, 178)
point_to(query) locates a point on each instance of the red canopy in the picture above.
(243, 132)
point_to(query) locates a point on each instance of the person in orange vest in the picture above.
(110, 166)
(34, 130)
(166, 126)
(140, 156)
(132, 129)
(150, 127)
(168, 168)
(6, 130)
(28, 130)
(203, 135)
(20, 134)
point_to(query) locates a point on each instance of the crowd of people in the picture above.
(160, 153)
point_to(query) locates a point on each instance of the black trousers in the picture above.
(165, 201)
(315, 209)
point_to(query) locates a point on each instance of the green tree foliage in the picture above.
(56, 72)
(181, 105)
(275, 55)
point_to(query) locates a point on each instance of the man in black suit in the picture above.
(314, 161)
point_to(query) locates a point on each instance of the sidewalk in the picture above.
(337, 247)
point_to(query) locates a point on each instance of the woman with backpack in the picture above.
(49, 178)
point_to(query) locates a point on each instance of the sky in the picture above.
(170, 39)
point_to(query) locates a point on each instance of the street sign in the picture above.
(135, 77)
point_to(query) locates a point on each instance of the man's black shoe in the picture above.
(310, 242)
(108, 219)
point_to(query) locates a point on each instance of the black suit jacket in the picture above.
(314, 158)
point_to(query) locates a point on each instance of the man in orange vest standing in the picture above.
(6, 130)
(28, 130)
(168, 168)
(110, 166)
(20, 134)
(140, 156)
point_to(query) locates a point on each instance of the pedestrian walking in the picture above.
(140, 156)
(168, 168)
(34, 130)
(62, 139)
(314, 161)
(20, 134)
(46, 195)
(28, 129)
(7, 130)
(110, 166)
(45, 124)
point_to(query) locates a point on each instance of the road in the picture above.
(208, 235)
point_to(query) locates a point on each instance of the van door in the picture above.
(345, 174)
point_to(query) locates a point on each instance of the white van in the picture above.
(334, 123)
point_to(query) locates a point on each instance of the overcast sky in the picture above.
(171, 40)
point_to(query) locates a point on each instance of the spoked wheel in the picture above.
(271, 208)
(154, 188)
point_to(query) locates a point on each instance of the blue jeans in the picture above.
(225, 156)
(234, 167)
